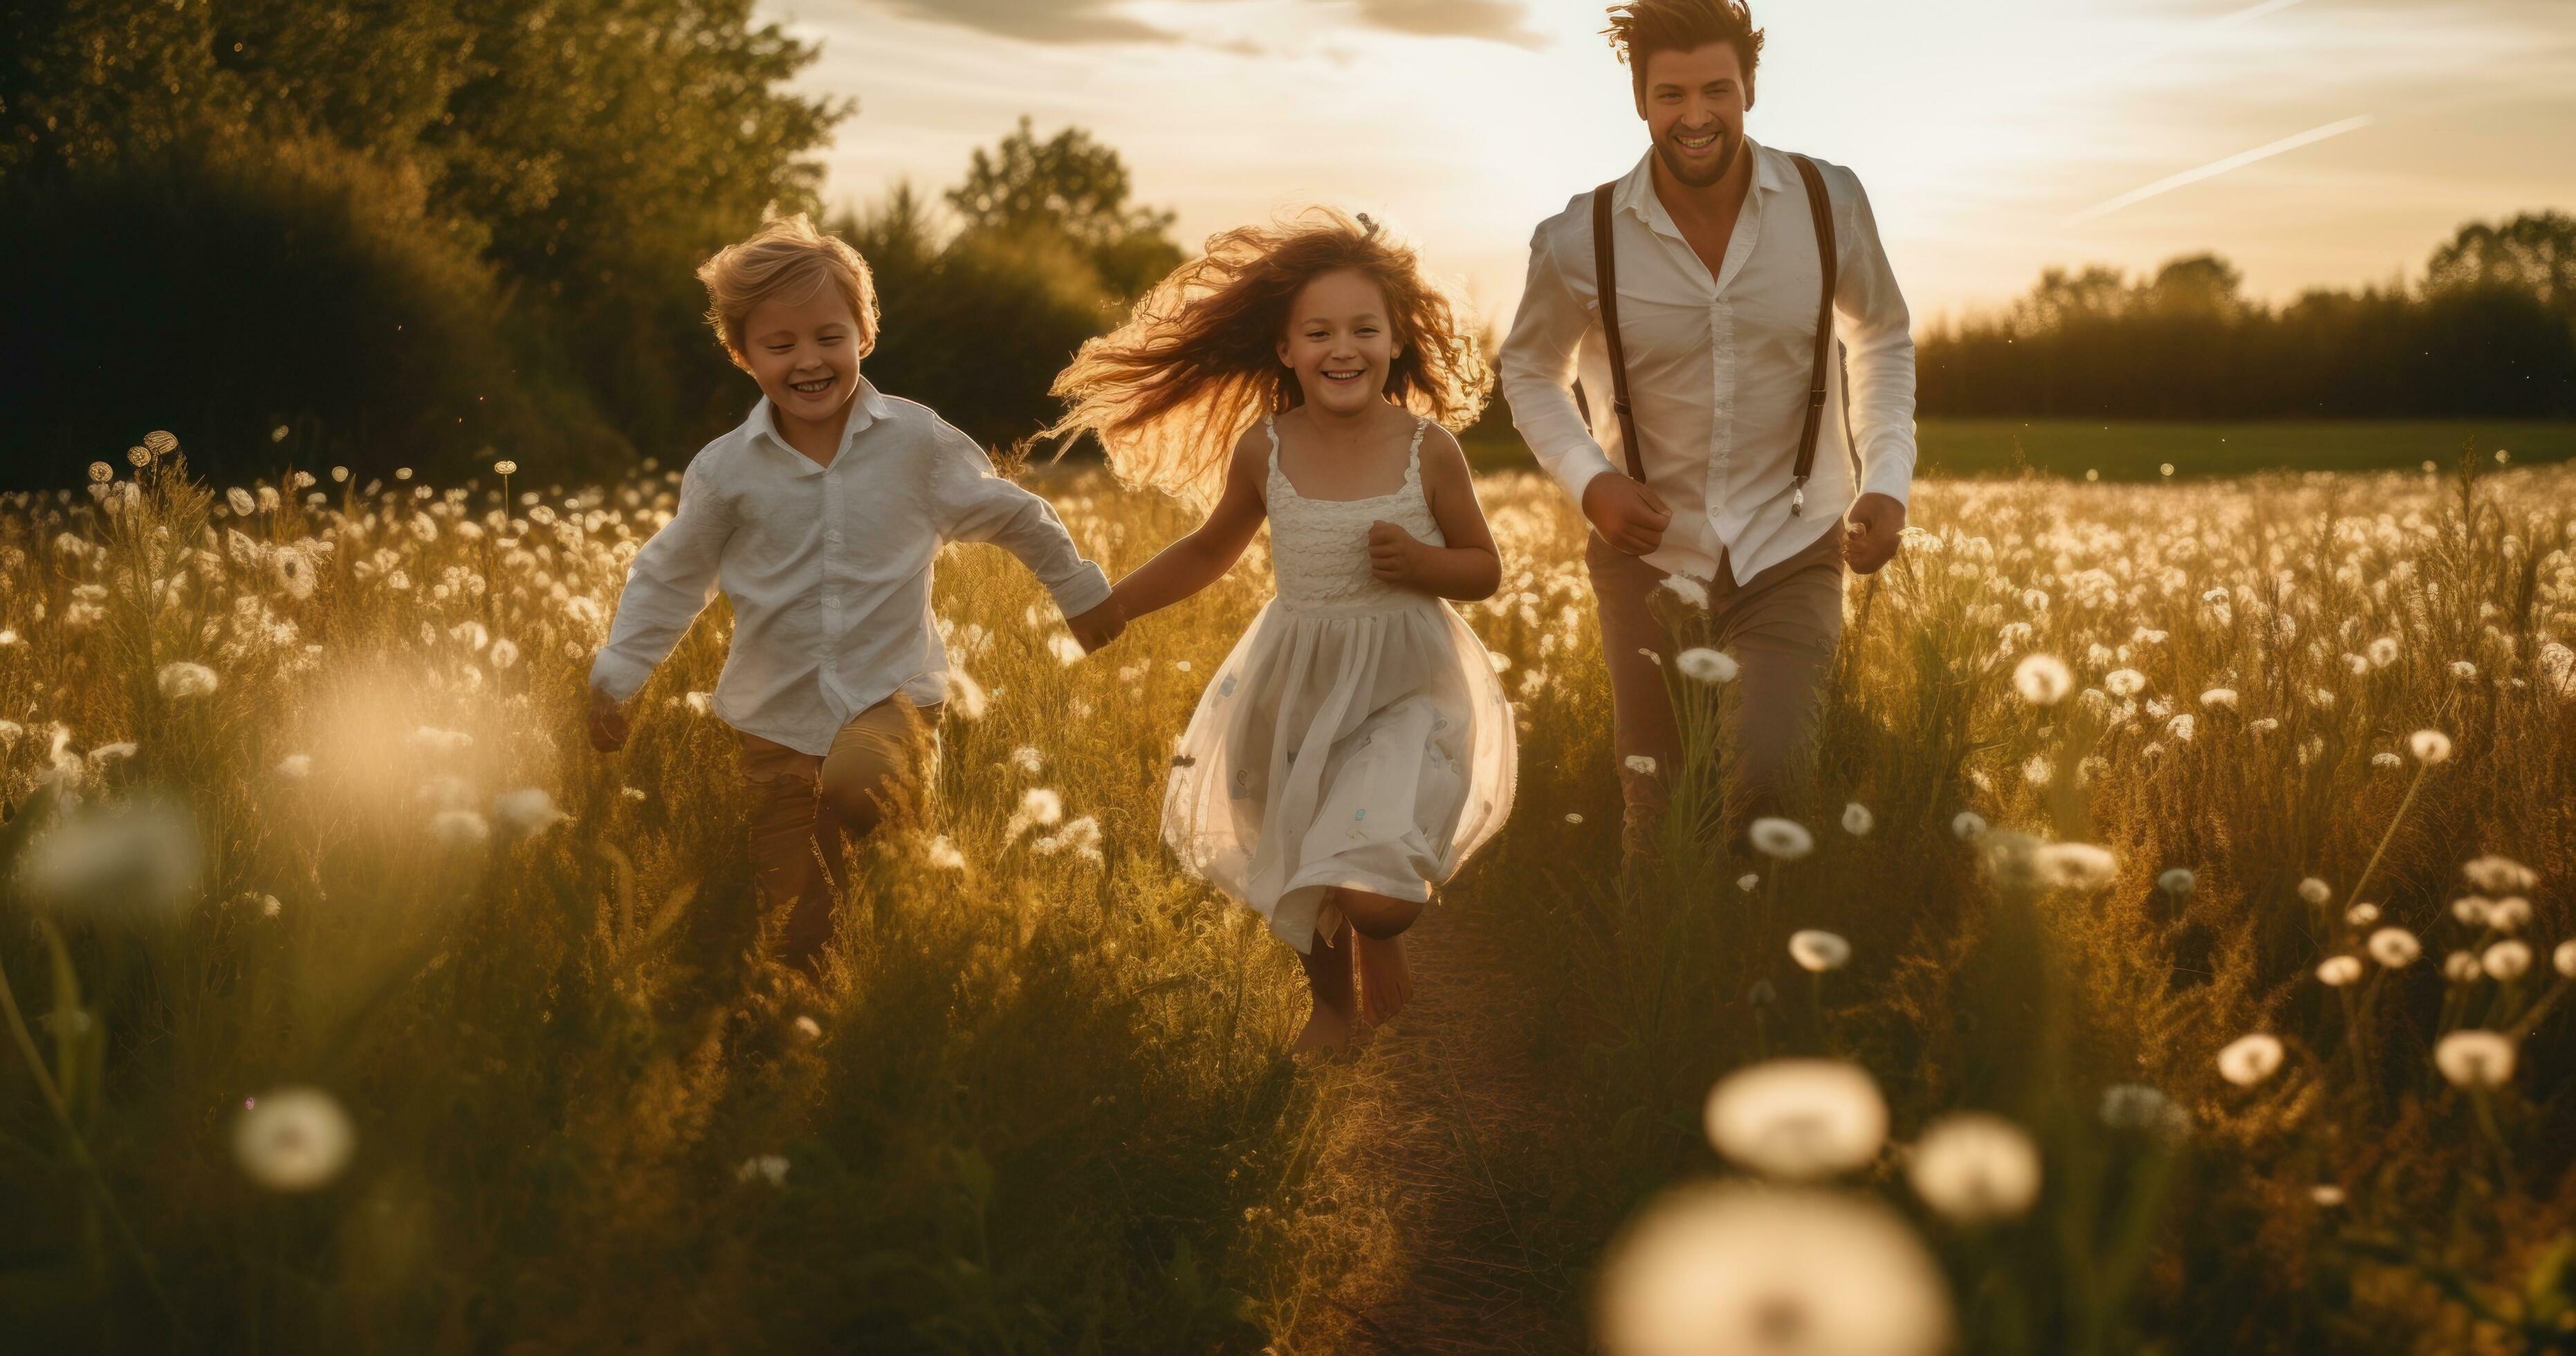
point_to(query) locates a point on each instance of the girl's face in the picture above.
(1339, 342)
(805, 356)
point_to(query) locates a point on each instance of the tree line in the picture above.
(2489, 331)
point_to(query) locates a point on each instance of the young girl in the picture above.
(1355, 747)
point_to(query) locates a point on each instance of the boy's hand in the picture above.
(1629, 516)
(608, 724)
(1392, 553)
(1099, 626)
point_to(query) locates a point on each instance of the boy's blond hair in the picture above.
(787, 258)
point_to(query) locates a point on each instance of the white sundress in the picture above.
(1357, 736)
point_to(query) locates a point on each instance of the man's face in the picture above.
(1694, 106)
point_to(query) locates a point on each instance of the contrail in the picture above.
(2218, 167)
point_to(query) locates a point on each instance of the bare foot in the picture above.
(1329, 1029)
(1385, 980)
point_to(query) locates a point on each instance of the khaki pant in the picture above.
(1780, 626)
(802, 806)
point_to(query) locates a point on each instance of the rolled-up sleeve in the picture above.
(673, 579)
(976, 505)
(1539, 360)
(1878, 339)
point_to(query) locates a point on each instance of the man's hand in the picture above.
(608, 725)
(1869, 540)
(1099, 626)
(1392, 554)
(1627, 514)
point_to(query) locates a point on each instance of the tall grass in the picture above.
(1038, 1101)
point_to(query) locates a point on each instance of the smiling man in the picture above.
(1746, 416)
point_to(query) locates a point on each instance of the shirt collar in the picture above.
(866, 408)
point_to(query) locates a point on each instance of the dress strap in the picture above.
(1413, 453)
(1270, 425)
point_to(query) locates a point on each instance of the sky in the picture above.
(2311, 142)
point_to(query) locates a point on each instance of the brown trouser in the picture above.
(803, 805)
(1780, 626)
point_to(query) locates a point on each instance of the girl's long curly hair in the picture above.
(1168, 392)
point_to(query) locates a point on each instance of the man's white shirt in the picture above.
(828, 568)
(1718, 368)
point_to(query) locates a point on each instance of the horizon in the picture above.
(2311, 143)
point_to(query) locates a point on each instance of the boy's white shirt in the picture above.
(1718, 367)
(828, 568)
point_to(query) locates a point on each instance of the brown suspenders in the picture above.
(1605, 267)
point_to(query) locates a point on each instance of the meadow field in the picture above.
(2169, 954)
(2140, 449)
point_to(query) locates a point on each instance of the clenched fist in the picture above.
(608, 725)
(1393, 554)
(1629, 516)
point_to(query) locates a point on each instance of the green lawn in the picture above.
(2139, 450)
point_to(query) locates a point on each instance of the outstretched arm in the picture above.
(977, 505)
(1203, 557)
(1877, 333)
(672, 580)
(1466, 569)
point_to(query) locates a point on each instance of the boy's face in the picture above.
(1693, 104)
(1339, 341)
(805, 355)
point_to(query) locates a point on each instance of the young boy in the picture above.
(819, 519)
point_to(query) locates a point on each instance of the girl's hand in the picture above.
(608, 725)
(1394, 554)
(1099, 626)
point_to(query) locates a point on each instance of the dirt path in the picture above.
(1468, 1134)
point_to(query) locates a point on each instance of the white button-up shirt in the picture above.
(828, 568)
(1718, 368)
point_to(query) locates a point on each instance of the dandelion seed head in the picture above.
(1738, 1268)
(2124, 682)
(1748, 882)
(2499, 875)
(2506, 961)
(1640, 764)
(2564, 958)
(1784, 840)
(808, 1028)
(2219, 699)
(1857, 820)
(182, 680)
(1798, 1119)
(528, 810)
(2395, 948)
(2315, 891)
(1817, 951)
(1972, 1168)
(2075, 866)
(2462, 967)
(2250, 1059)
(2337, 971)
(2042, 679)
(1705, 665)
(2138, 1107)
(2480, 1060)
(1967, 825)
(1690, 591)
(293, 1139)
(2429, 746)
(2177, 880)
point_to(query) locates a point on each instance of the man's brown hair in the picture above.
(1644, 27)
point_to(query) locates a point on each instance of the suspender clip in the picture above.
(1798, 496)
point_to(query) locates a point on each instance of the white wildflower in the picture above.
(2506, 960)
(2315, 891)
(293, 1139)
(2475, 1059)
(181, 680)
(1705, 665)
(1640, 764)
(1973, 1167)
(1687, 589)
(2429, 746)
(2395, 948)
(1798, 1118)
(2248, 1060)
(1857, 820)
(2042, 679)
(527, 810)
(2337, 971)
(1817, 951)
(1967, 825)
(1780, 839)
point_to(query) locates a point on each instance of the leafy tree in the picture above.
(2535, 252)
(1072, 188)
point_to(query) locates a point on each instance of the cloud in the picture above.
(1052, 21)
(1492, 20)
(1106, 21)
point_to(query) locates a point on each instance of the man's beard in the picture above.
(1725, 161)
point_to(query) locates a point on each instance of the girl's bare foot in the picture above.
(1329, 1029)
(1328, 976)
(1385, 980)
